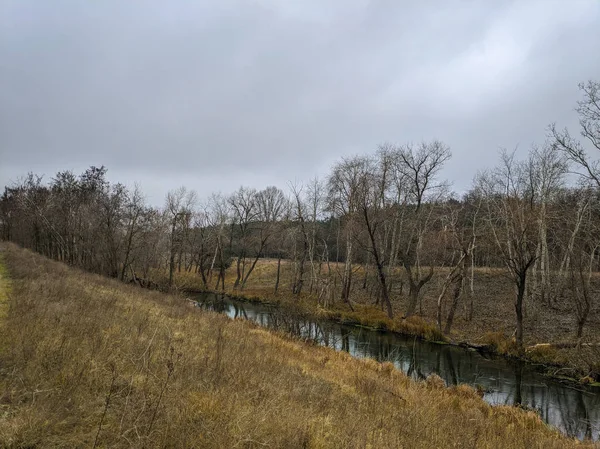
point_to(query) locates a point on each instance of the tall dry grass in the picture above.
(89, 362)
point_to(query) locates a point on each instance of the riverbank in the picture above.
(549, 330)
(93, 362)
(547, 359)
(572, 408)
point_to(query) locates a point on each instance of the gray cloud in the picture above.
(215, 94)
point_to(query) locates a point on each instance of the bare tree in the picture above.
(133, 211)
(343, 188)
(374, 209)
(245, 212)
(218, 216)
(580, 285)
(578, 259)
(417, 188)
(315, 200)
(512, 219)
(547, 170)
(463, 242)
(582, 253)
(271, 206)
(179, 206)
(203, 236)
(299, 216)
(589, 120)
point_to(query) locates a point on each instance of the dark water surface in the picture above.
(573, 409)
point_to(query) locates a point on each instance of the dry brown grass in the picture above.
(493, 323)
(87, 362)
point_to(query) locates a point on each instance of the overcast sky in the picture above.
(216, 94)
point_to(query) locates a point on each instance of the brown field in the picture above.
(89, 362)
(493, 323)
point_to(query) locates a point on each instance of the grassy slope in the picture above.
(86, 359)
(4, 287)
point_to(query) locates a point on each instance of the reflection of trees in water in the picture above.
(214, 303)
(301, 327)
(415, 368)
(518, 384)
(576, 415)
(452, 368)
(575, 412)
(345, 333)
(239, 311)
(584, 417)
(562, 407)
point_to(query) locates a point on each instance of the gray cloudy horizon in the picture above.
(213, 95)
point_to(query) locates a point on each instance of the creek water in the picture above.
(573, 409)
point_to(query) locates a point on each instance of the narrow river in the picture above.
(573, 409)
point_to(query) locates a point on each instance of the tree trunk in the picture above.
(202, 269)
(413, 298)
(347, 281)
(384, 290)
(250, 270)
(458, 288)
(379, 265)
(128, 249)
(278, 273)
(415, 287)
(221, 277)
(172, 255)
(238, 272)
(580, 323)
(299, 281)
(472, 283)
(179, 257)
(583, 295)
(450, 279)
(214, 259)
(521, 283)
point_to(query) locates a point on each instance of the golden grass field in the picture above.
(87, 361)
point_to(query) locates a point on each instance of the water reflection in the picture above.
(575, 410)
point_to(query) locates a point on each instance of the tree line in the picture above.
(537, 218)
